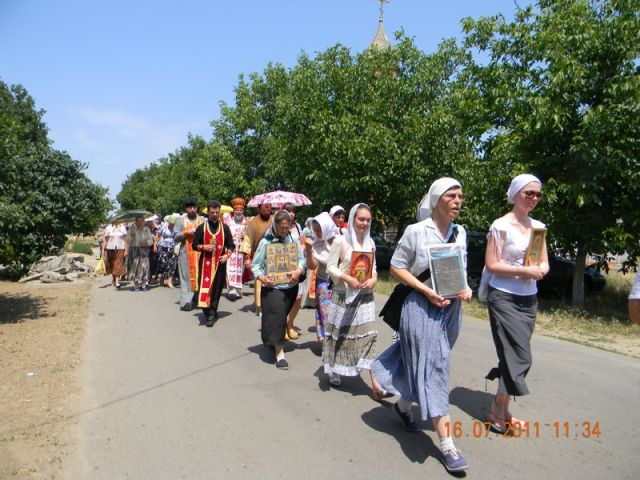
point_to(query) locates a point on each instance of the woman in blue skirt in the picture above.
(417, 366)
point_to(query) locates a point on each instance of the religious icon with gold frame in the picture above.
(536, 247)
(281, 259)
(362, 265)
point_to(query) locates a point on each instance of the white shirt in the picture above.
(339, 262)
(513, 251)
(412, 253)
(115, 237)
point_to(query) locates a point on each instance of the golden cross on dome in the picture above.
(382, 2)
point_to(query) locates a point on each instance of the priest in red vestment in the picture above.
(214, 241)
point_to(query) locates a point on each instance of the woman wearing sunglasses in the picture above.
(512, 297)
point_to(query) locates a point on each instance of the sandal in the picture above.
(515, 422)
(497, 421)
(335, 380)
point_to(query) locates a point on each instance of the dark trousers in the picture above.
(216, 290)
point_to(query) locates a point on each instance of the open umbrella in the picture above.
(129, 216)
(279, 197)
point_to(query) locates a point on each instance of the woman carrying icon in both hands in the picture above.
(416, 367)
(276, 300)
(511, 295)
(351, 331)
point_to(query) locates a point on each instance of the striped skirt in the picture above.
(350, 339)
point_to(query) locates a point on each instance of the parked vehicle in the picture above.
(557, 282)
(384, 251)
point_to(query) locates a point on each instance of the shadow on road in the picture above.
(266, 354)
(15, 308)
(313, 345)
(474, 403)
(418, 447)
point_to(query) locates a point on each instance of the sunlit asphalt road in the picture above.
(168, 399)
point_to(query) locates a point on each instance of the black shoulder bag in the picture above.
(392, 310)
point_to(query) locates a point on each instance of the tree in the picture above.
(561, 98)
(348, 128)
(201, 169)
(44, 193)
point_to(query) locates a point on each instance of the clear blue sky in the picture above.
(124, 82)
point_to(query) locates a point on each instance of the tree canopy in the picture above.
(44, 193)
(561, 99)
(554, 92)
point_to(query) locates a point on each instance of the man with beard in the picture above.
(214, 242)
(187, 257)
(237, 224)
(256, 228)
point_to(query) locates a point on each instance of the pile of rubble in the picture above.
(58, 269)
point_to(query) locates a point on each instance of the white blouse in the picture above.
(412, 253)
(115, 237)
(513, 251)
(339, 263)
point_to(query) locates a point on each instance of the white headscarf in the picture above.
(518, 183)
(430, 200)
(329, 231)
(351, 236)
(335, 209)
(273, 228)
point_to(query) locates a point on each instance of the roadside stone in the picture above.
(53, 277)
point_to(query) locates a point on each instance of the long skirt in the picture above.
(513, 319)
(276, 305)
(115, 263)
(417, 366)
(323, 300)
(350, 340)
(167, 262)
(139, 272)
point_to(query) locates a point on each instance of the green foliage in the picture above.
(561, 98)
(44, 193)
(558, 96)
(204, 170)
(78, 247)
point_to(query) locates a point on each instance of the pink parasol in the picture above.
(279, 197)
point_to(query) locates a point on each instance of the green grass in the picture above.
(386, 283)
(78, 246)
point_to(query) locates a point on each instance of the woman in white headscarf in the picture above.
(325, 231)
(417, 366)
(350, 338)
(512, 297)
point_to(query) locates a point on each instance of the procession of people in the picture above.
(332, 261)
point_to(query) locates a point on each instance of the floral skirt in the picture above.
(323, 300)
(139, 272)
(115, 263)
(167, 262)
